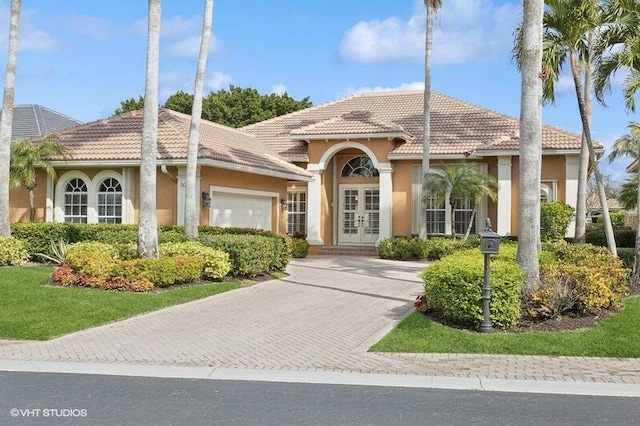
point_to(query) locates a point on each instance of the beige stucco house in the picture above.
(345, 173)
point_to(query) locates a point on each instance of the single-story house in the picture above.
(345, 173)
(31, 121)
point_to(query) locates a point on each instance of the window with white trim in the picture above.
(436, 214)
(76, 201)
(462, 213)
(359, 167)
(109, 201)
(296, 212)
(548, 191)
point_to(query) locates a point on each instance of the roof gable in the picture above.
(31, 121)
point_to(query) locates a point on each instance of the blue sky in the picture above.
(83, 58)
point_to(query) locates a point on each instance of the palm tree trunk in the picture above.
(473, 216)
(7, 118)
(583, 167)
(452, 203)
(32, 207)
(192, 200)
(608, 228)
(147, 221)
(426, 140)
(635, 275)
(530, 144)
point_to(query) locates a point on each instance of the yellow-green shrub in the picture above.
(453, 287)
(216, 262)
(92, 258)
(250, 255)
(13, 252)
(162, 272)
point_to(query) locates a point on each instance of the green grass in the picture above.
(31, 310)
(616, 336)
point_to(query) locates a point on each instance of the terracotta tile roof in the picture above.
(118, 138)
(457, 127)
(351, 123)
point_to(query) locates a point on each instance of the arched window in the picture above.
(359, 167)
(110, 201)
(75, 201)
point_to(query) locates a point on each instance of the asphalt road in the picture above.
(66, 399)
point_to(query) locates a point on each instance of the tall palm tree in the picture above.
(191, 204)
(6, 122)
(27, 158)
(458, 182)
(147, 220)
(568, 35)
(530, 143)
(431, 7)
(629, 146)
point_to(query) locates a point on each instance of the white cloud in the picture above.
(189, 48)
(464, 31)
(279, 89)
(218, 81)
(31, 36)
(416, 85)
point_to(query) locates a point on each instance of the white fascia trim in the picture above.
(253, 170)
(516, 153)
(352, 136)
(432, 157)
(239, 191)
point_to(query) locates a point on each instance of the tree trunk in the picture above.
(426, 140)
(530, 144)
(32, 207)
(147, 220)
(192, 212)
(452, 204)
(635, 276)
(7, 118)
(473, 216)
(583, 168)
(608, 228)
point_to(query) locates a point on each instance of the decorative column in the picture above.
(504, 196)
(386, 200)
(128, 191)
(572, 165)
(181, 195)
(48, 208)
(314, 206)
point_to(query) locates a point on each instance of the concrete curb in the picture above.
(328, 377)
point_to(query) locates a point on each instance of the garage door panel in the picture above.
(240, 211)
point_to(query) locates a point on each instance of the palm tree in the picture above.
(6, 122)
(431, 7)
(568, 32)
(458, 182)
(530, 143)
(629, 146)
(147, 220)
(26, 159)
(628, 195)
(191, 204)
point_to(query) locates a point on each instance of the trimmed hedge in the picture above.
(453, 287)
(215, 263)
(250, 255)
(555, 217)
(413, 248)
(623, 237)
(300, 248)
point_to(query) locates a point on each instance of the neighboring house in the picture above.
(31, 121)
(346, 173)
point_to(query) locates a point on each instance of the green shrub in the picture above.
(300, 248)
(188, 268)
(401, 248)
(38, 236)
(617, 219)
(453, 288)
(122, 284)
(250, 255)
(628, 256)
(13, 252)
(216, 262)
(623, 237)
(161, 272)
(92, 258)
(555, 218)
(435, 248)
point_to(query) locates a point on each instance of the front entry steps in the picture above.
(369, 251)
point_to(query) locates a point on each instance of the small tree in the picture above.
(460, 181)
(26, 159)
(554, 220)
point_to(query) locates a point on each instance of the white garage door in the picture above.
(240, 211)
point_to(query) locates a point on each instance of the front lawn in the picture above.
(616, 336)
(34, 311)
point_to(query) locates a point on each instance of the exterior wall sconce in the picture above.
(206, 199)
(283, 204)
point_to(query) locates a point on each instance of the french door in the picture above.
(359, 214)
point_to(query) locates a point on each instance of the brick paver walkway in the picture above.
(323, 317)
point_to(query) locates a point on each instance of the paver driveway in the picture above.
(327, 311)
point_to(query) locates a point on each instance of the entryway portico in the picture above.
(361, 213)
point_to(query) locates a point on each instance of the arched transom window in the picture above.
(75, 201)
(110, 201)
(359, 167)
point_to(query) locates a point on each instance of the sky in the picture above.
(82, 58)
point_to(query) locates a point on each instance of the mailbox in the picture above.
(489, 240)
